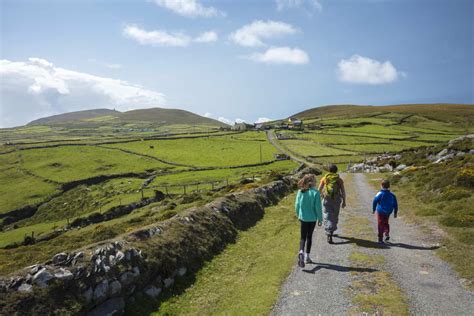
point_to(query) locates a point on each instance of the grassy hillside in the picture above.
(104, 116)
(168, 117)
(442, 112)
(75, 116)
(345, 134)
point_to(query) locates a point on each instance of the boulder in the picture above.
(182, 271)
(442, 152)
(100, 291)
(168, 282)
(152, 291)
(127, 278)
(59, 258)
(64, 274)
(25, 287)
(400, 167)
(115, 288)
(42, 277)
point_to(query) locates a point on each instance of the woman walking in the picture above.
(332, 188)
(308, 210)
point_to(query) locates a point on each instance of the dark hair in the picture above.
(306, 182)
(385, 184)
(333, 168)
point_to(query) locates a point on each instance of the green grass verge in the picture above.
(246, 277)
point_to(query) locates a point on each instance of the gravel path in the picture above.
(272, 138)
(432, 288)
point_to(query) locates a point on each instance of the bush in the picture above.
(465, 177)
(454, 194)
(458, 220)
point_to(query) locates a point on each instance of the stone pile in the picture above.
(389, 163)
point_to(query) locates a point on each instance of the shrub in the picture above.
(465, 177)
(454, 194)
(458, 220)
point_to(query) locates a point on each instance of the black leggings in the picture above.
(307, 229)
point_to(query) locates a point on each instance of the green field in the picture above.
(69, 163)
(31, 176)
(348, 134)
(206, 152)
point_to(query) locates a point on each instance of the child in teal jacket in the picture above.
(309, 211)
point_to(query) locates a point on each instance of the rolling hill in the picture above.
(168, 117)
(74, 116)
(153, 115)
(441, 112)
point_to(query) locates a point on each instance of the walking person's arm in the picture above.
(375, 202)
(297, 203)
(321, 185)
(343, 194)
(318, 209)
(395, 206)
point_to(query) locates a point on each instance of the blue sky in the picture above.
(232, 59)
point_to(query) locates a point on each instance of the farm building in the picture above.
(242, 127)
(295, 124)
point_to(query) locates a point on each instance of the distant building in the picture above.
(295, 124)
(242, 127)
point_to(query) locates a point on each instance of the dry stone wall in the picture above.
(102, 278)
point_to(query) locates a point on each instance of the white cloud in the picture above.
(238, 121)
(253, 34)
(207, 114)
(281, 55)
(225, 120)
(36, 88)
(206, 37)
(157, 37)
(363, 70)
(298, 4)
(263, 120)
(189, 8)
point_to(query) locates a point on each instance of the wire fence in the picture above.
(199, 186)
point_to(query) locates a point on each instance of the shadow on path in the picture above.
(335, 267)
(372, 244)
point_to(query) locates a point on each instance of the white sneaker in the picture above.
(307, 258)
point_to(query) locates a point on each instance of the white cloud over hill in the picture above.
(363, 70)
(37, 88)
